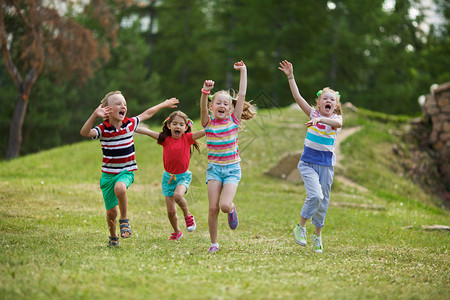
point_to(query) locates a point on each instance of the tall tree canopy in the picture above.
(34, 33)
(378, 57)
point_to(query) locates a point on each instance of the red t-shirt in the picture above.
(176, 153)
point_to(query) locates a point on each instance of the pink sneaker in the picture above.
(190, 223)
(176, 236)
(213, 249)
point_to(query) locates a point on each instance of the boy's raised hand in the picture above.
(208, 85)
(171, 103)
(287, 68)
(239, 66)
(102, 112)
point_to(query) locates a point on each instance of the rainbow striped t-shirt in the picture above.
(222, 140)
(320, 142)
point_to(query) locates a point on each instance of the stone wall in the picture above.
(436, 115)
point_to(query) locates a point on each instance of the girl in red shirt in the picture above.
(176, 138)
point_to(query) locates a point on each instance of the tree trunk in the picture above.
(276, 79)
(187, 34)
(334, 58)
(15, 131)
(231, 58)
(23, 85)
(151, 37)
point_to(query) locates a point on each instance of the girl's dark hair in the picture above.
(166, 131)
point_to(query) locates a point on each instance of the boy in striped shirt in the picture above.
(118, 164)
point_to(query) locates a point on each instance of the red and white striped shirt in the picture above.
(118, 146)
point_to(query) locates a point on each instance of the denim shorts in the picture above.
(224, 173)
(169, 182)
(108, 182)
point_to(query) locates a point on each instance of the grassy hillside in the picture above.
(53, 229)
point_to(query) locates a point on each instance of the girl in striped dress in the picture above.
(224, 171)
(318, 159)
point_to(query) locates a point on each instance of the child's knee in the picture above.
(315, 196)
(171, 212)
(120, 189)
(226, 207)
(112, 213)
(214, 209)
(177, 197)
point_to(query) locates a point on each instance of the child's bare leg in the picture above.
(228, 193)
(172, 213)
(317, 231)
(111, 220)
(178, 197)
(214, 189)
(120, 189)
(302, 221)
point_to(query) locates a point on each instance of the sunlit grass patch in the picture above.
(54, 235)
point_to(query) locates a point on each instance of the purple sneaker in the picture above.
(233, 220)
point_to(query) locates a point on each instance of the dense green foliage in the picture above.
(54, 234)
(378, 59)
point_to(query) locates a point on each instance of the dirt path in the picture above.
(341, 137)
(346, 132)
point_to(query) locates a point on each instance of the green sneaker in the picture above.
(300, 235)
(317, 243)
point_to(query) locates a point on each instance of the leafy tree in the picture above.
(180, 54)
(33, 34)
(67, 104)
(377, 59)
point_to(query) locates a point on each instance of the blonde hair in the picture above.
(247, 112)
(338, 109)
(104, 101)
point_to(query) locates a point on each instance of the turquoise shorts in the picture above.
(224, 173)
(108, 182)
(169, 182)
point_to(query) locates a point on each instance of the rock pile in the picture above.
(436, 115)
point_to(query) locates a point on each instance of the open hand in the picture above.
(287, 68)
(171, 103)
(102, 112)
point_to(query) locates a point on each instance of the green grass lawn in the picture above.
(54, 234)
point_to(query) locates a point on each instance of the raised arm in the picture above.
(204, 115)
(242, 89)
(198, 134)
(288, 69)
(169, 103)
(146, 131)
(99, 112)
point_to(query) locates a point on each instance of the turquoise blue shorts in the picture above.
(224, 173)
(108, 182)
(169, 182)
